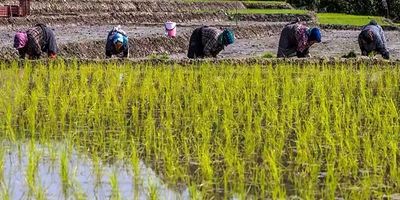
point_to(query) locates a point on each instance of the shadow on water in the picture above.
(84, 175)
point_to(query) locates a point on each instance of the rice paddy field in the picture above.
(121, 130)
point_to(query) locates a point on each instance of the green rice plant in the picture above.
(314, 130)
(2, 157)
(40, 193)
(32, 170)
(64, 172)
(194, 193)
(97, 170)
(4, 193)
(115, 194)
(152, 191)
(135, 161)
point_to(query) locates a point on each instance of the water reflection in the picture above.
(85, 181)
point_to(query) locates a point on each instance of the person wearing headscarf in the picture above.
(296, 39)
(372, 39)
(209, 41)
(34, 41)
(117, 43)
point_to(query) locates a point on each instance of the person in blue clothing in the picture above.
(372, 39)
(117, 43)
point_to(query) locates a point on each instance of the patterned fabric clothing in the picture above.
(379, 41)
(40, 38)
(110, 47)
(209, 38)
(302, 38)
(294, 41)
(35, 39)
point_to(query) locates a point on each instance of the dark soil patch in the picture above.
(85, 7)
(114, 18)
(252, 5)
(271, 17)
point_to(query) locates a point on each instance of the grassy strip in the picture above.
(345, 19)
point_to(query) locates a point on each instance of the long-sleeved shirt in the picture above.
(40, 38)
(110, 47)
(302, 38)
(379, 40)
(209, 38)
(293, 40)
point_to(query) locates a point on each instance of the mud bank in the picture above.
(114, 18)
(259, 5)
(60, 7)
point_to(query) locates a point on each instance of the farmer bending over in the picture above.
(372, 39)
(35, 40)
(208, 42)
(296, 39)
(117, 43)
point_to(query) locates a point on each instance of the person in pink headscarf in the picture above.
(34, 41)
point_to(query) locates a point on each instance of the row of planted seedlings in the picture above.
(222, 131)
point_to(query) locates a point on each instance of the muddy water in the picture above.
(81, 174)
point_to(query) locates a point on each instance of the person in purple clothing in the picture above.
(372, 39)
(296, 39)
(34, 41)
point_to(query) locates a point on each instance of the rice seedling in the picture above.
(115, 194)
(273, 131)
(32, 168)
(152, 191)
(64, 172)
(2, 164)
(4, 193)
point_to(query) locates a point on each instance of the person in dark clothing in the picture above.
(372, 39)
(296, 39)
(34, 41)
(117, 43)
(209, 42)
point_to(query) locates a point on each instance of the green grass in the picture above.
(345, 19)
(268, 11)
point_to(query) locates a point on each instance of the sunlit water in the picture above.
(82, 176)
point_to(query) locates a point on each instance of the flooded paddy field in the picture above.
(131, 130)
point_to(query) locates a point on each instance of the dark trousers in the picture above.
(196, 47)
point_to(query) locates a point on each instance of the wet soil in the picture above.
(260, 5)
(252, 40)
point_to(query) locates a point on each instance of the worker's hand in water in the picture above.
(385, 55)
(364, 53)
(53, 55)
(305, 54)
